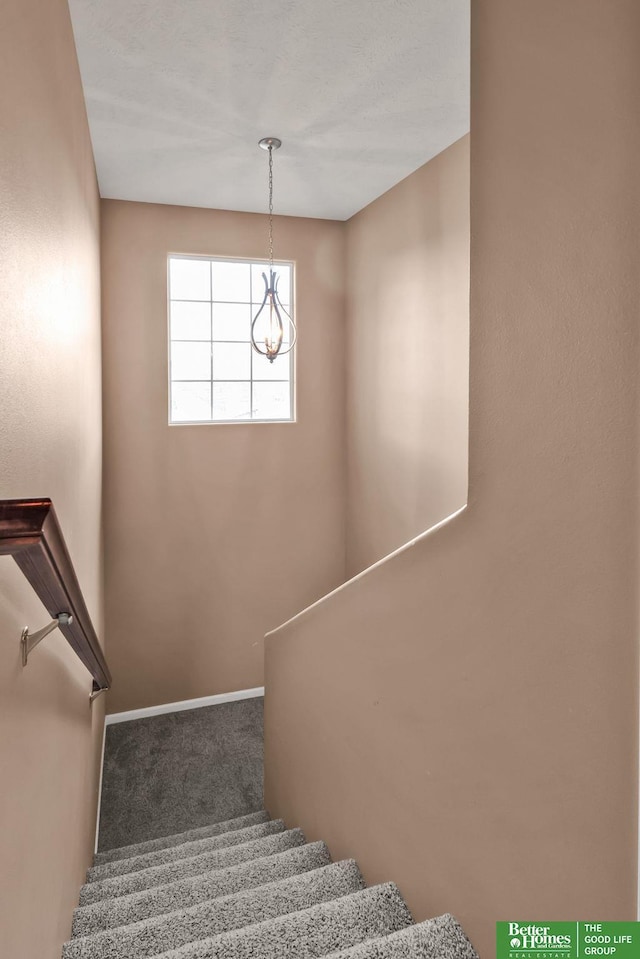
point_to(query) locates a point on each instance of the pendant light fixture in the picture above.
(272, 321)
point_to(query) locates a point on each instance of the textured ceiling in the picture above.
(362, 92)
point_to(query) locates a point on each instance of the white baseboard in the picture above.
(185, 704)
(97, 836)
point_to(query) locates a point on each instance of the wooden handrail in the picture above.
(30, 532)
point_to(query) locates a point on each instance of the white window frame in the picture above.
(256, 297)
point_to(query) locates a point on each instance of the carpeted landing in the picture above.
(165, 774)
(248, 888)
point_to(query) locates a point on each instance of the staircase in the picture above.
(248, 888)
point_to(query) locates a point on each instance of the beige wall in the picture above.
(50, 445)
(214, 533)
(408, 349)
(464, 718)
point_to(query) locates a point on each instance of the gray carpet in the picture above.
(181, 771)
(308, 933)
(192, 867)
(186, 850)
(245, 877)
(150, 937)
(185, 868)
(247, 888)
(168, 842)
(433, 939)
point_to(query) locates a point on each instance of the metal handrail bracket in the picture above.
(29, 641)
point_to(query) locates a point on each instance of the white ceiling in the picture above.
(361, 92)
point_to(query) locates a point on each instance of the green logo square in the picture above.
(567, 940)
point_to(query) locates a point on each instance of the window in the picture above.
(215, 376)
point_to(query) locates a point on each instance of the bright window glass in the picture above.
(214, 374)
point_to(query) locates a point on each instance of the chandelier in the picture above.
(272, 321)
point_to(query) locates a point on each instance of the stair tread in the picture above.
(253, 874)
(439, 938)
(149, 937)
(176, 839)
(310, 933)
(193, 866)
(185, 850)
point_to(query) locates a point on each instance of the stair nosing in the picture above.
(318, 848)
(104, 856)
(227, 938)
(89, 890)
(124, 867)
(330, 882)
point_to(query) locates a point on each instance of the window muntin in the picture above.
(214, 374)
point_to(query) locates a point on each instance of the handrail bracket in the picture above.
(29, 641)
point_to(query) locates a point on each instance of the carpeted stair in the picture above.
(246, 889)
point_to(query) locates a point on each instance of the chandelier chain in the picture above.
(270, 207)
